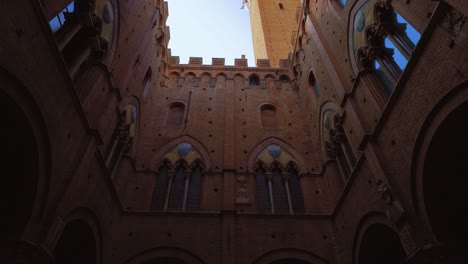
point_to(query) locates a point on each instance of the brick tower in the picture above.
(273, 24)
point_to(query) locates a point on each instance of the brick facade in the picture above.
(304, 161)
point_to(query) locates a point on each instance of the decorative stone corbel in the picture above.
(395, 214)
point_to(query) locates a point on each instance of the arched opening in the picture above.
(313, 83)
(20, 166)
(445, 179)
(285, 82)
(254, 80)
(77, 244)
(380, 244)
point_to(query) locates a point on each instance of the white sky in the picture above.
(210, 29)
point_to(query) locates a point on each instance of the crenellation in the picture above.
(263, 63)
(218, 61)
(195, 61)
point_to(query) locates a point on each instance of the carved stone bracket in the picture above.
(333, 149)
(395, 214)
(453, 23)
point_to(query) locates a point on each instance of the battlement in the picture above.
(242, 62)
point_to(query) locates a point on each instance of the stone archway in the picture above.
(381, 244)
(19, 169)
(445, 178)
(77, 244)
(439, 180)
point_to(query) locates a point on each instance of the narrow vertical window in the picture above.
(342, 2)
(313, 84)
(268, 115)
(281, 6)
(146, 82)
(177, 189)
(194, 190)
(262, 192)
(280, 196)
(160, 189)
(176, 115)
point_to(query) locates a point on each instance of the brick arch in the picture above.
(206, 74)
(285, 77)
(221, 74)
(289, 253)
(13, 91)
(448, 104)
(190, 74)
(156, 159)
(174, 253)
(176, 73)
(273, 140)
(269, 76)
(368, 220)
(87, 216)
(238, 75)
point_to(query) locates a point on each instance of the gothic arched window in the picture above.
(178, 186)
(85, 33)
(313, 83)
(278, 188)
(145, 84)
(383, 41)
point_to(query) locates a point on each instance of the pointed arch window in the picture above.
(85, 33)
(178, 187)
(268, 115)
(146, 82)
(278, 188)
(313, 84)
(385, 44)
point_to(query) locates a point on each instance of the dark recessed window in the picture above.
(254, 80)
(281, 6)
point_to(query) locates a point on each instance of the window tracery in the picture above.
(383, 41)
(178, 185)
(85, 31)
(278, 188)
